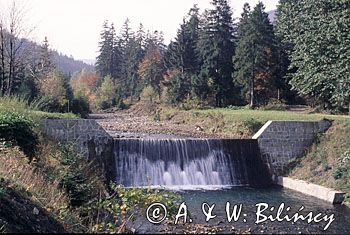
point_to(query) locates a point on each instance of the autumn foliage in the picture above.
(151, 69)
(84, 84)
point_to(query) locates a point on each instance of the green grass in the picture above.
(21, 106)
(20, 122)
(266, 115)
(237, 122)
(328, 161)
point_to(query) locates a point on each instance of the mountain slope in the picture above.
(272, 16)
(65, 64)
(68, 65)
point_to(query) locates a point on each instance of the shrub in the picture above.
(80, 106)
(106, 93)
(104, 105)
(119, 103)
(129, 203)
(275, 104)
(73, 177)
(47, 104)
(156, 116)
(253, 125)
(339, 172)
(2, 191)
(18, 129)
(148, 93)
(190, 103)
(55, 86)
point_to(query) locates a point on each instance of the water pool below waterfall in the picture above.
(249, 197)
(203, 164)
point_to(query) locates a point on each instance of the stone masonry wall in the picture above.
(280, 142)
(91, 140)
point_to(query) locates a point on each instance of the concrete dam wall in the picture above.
(255, 162)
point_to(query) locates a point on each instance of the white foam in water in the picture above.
(189, 187)
(177, 164)
(167, 178)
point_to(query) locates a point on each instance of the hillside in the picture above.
(327, 162)
(66, 64)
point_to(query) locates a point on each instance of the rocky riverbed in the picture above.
(122, 124)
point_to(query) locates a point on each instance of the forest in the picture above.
(213, 61)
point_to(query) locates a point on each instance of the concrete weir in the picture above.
(277, 144)
(281, 142)
(327, 194)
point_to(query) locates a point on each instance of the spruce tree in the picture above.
(256, 56)
(116, 55)
(106, 60)
(216, 47)
(45, 65)
(181, 58)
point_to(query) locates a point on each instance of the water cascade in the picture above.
(189, 163)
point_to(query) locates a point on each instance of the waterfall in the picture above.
(184, 162)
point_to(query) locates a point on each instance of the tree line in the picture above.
(35, 72)
(215, 61)
(316, 37)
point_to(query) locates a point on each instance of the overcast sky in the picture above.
(73, 26)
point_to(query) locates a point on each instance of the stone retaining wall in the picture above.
(91, 140)
(280, 142)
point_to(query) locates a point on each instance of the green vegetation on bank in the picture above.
(236, 122)
(328, 161)
(19, 122)
(68, 193)
(31, 110)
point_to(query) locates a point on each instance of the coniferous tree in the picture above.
(243, 60)
(181, 58)
(133, 57)
(105, 61)
(256, 56)
(216, 46)
(116, 55)
(45, 61)
(132, 53)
